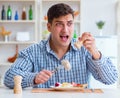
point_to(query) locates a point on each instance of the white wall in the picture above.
(96, 10)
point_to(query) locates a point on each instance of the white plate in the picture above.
(68, 88)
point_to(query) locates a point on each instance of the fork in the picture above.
(57, 68)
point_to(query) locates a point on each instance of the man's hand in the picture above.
(89, 44)
(42, 77)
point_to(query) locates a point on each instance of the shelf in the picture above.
(6, 64)
(62, 0)
(16, 42)
(17, 0)
(17, 21)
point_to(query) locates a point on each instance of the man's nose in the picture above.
(65, 28)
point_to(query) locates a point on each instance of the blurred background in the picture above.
(27, 25)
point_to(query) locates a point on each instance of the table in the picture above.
(108, 93)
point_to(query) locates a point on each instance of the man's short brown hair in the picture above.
(58, 10)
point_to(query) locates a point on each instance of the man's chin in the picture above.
(66, 44)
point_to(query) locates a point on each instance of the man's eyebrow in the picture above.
(58, 21)
(62, 21)
(70, 21)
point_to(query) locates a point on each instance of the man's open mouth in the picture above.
(64, 38)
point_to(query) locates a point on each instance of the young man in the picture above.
(36, 63)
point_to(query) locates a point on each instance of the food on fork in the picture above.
(66, 64)
(78, 44)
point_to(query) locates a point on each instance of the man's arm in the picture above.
(23, 67)
(103, 70)
(101, 67)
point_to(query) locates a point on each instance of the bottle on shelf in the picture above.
(30, 13)
(16, 16)
(9, 13)
(24, 13)
(3, 13)
(75, 35)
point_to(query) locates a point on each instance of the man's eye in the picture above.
(58, 24)
(69, 23)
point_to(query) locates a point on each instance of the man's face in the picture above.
(61, 30)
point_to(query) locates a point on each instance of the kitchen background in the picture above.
(89, 13)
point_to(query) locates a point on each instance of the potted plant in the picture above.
(100, 24)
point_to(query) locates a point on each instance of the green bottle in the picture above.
(9, 13)
(75, 35)
(30, 13)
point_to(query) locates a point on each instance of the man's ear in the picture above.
(49, 27)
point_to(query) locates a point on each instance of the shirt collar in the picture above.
(72, 45)
(48, 45)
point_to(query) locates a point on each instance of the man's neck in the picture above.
(60, 51)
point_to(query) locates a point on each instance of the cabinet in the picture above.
(45, 4)
(28, 29)
(108, 46)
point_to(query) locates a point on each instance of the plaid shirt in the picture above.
(40, 56)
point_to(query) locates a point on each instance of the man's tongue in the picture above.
(64, 38)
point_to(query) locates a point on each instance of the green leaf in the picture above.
(100, 24)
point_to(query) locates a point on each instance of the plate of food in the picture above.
(68, 86)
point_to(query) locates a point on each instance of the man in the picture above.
(37, 62)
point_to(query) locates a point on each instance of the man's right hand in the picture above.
(42, 77)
